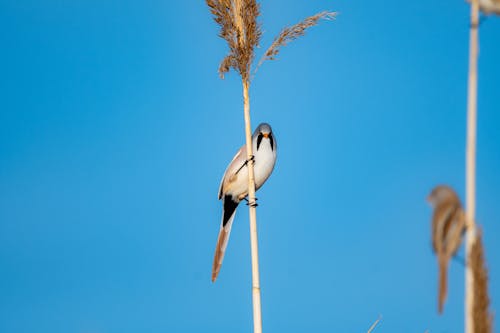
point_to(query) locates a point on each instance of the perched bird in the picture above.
(489, 6)
(448, 226)
(234, 184)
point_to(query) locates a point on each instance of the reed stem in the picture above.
(471, 164)
(257, 313)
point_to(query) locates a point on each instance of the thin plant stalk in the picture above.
(471, 164)
(257, 312)
(257, 308)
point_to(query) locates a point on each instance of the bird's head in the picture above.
(264, 129)
(441, 194)
(264, 132)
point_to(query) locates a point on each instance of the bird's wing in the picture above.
(454, 231)
(228, 214)
(442, 214)
(236, 164)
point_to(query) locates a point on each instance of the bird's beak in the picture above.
(266, 135)
(429, 199)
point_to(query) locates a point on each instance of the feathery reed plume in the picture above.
(470, 160)
(239, 27)
(289, 34)
(483, 320)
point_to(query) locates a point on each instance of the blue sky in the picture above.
(115, 130)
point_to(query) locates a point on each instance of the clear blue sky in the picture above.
(115, 131)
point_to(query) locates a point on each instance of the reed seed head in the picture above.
(239, 27)
(289, 34)
(482, 318)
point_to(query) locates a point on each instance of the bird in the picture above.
(234, 184)
(489, 6)
(448, 227)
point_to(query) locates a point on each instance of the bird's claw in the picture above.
(251, 204)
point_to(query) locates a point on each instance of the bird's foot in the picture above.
(251, 158)
(251, 204)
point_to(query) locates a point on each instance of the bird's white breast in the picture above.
(265, 158)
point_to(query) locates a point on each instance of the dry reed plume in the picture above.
(239, 27)
(482, 318)
(289, 34)
(243, 35)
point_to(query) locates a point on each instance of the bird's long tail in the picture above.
(225, 229)
(443, 270)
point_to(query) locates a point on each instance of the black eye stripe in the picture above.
(259, 140)
(271, 140)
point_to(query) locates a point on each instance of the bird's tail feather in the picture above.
(222, 240)
(443, 270)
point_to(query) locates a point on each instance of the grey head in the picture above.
(263, 128)
(264, 132)
(442, 194)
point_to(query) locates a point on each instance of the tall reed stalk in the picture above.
(239, 27)
(252, 211)
(257, 314)
(471, 165)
